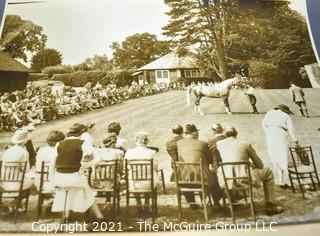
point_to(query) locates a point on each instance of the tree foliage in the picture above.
(44, 58)
(225, 34)
(201, 25)
(138, 50)
(20, 36)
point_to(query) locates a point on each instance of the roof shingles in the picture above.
(7, 63)
(170, 61)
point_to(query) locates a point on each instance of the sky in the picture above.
(82, 28)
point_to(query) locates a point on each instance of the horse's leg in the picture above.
(226, 104)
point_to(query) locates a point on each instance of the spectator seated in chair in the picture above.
(48, 154)
(141, 151)
(231, 149)
(18, 153)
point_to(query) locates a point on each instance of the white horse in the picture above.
(220, 90)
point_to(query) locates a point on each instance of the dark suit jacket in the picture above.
(172, 147)
(192, 150)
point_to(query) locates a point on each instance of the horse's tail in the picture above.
(189, 89)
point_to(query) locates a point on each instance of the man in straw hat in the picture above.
(191, 149)
(278, 126)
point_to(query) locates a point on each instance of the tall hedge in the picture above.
(80, 78)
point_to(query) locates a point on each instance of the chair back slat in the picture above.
(106, 172)
(235, 173)
(138, 170)
(12, 171)
(44, 174)
(188, 173)
(301, 155)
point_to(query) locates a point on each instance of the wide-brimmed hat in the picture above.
(284, 108)
(20, 136)
(55, 136)
(77, 129)
(217, 128)
(191, 128)
(109, 139)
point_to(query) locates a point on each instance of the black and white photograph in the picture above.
(158, 115)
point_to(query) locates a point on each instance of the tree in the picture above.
(98, 62)
(44, 58)
(138, 50)
(273, 33)
(227, 34)
(20, 36)
(200, 24)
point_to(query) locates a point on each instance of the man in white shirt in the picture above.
(142, 152)
(278, 126)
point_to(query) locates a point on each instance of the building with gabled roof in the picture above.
(168, 68)
(13, 74)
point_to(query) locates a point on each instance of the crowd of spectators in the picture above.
(40, 104)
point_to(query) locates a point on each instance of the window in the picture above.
(191, 73)
(162, 76)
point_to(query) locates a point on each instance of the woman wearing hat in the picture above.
(278, 126)
(18, 153)
(68, 177)
(48, 154)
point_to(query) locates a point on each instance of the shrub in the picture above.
(80, 78)
(37, 76)
(59, 69)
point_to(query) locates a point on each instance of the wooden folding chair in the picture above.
(161, 176)
(140, 182)
(104, 180)
(190, 179)
(304, 168)
(43, 194)
(237, 176)
(14, 172)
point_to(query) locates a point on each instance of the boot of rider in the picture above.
(301, 111)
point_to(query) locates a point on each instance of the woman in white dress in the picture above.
(48, 154)
(278, 126)
(69, 179)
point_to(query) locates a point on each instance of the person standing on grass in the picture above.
(278, 126)
(249, 91)
(297, 96)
